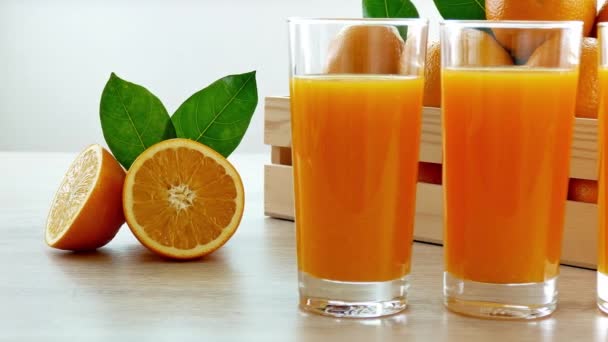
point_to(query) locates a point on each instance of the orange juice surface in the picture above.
(603, 174)
(355, 153)
(507, 136)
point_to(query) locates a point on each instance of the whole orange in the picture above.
(366, 49)
(522, 48)
(432, 76)
(587, 101)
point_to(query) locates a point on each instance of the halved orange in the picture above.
(86, 212)
(182, 199)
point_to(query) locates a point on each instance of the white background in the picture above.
(55, 57)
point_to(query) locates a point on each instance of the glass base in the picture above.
(602, 292)
(499, 301)
(352, 299)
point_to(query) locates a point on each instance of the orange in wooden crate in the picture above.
(522, 44)
(366, 49)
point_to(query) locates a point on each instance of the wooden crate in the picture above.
(580, 234)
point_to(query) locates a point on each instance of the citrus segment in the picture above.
(182, 199)
(86, 212)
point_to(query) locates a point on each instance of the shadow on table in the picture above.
(101, 256)
(134, 253)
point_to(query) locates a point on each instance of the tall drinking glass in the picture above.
(602, 263)
(507, 133)
(356, 102)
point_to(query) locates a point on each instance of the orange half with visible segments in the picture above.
(182, 199)
(86, 212)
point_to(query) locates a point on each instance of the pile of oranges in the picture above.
(587, 98)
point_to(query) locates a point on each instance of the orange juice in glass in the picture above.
(356, 102)
(602, 263)
(507, 132)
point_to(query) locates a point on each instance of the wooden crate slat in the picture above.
(277, 118)
(580, 235)
(584, 147)
(430, 139)
(428, 223)
(580, 230)
(583, 163)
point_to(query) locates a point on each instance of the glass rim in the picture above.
(514, 24)
(385, 21)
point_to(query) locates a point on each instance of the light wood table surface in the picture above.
(246, 291)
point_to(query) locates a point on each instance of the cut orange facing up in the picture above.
(86, 212)
(182, 199)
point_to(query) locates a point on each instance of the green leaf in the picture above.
(462, 9)
(389, 9)
(218, 116)
(132, 119)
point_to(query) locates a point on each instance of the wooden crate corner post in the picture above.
(278, 179)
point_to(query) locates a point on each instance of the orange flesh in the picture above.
(185, 206)
(355, 146)
(603, 174)
(507, 136)
(73, 192)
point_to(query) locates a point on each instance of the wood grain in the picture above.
(277, 122)
(246, 291)
(583, 163)
(278, 192)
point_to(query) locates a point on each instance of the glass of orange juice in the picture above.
(507, 131)
(356, 101)
(602, 264)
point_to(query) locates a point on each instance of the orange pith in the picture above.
(182, 199)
